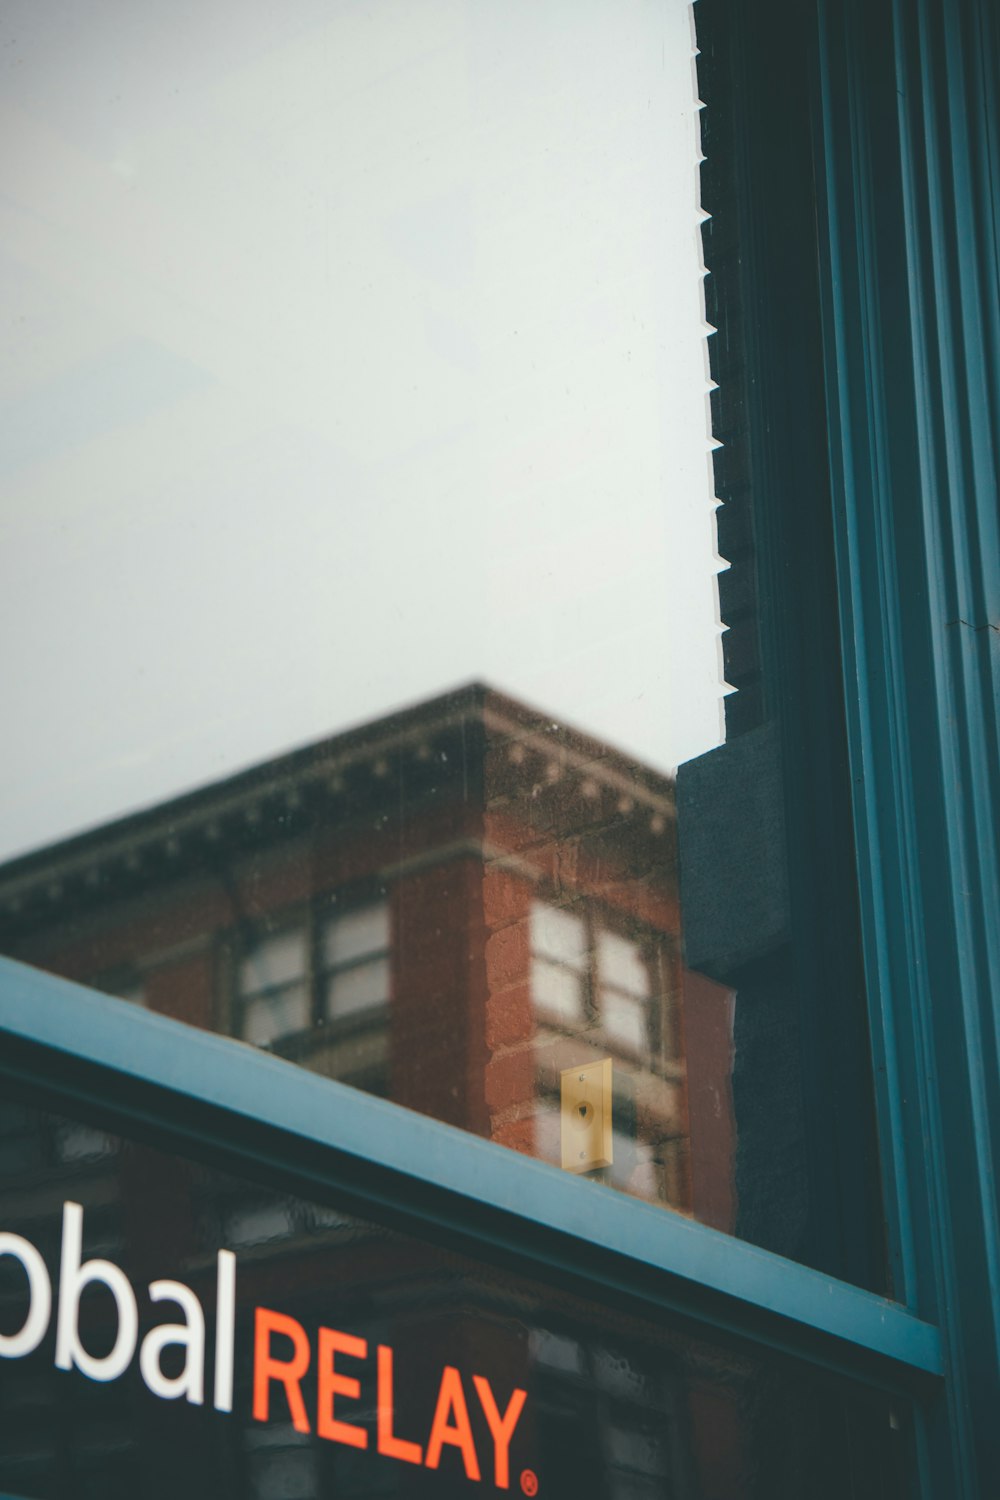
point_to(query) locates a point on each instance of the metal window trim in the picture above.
(72, 1047)
(907, 128)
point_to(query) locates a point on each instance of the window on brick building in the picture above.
(624, 990)
(560, 962)
(287, 981)
(584, 974)
(273, 987)
(355, 961)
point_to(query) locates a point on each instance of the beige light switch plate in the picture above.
(585, 1116)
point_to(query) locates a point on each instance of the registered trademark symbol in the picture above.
(529, 1481)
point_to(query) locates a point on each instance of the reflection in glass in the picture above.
(380, 331)
(355, 352)
(558, 963)
(359, 352)
(357, 952)
(272, 993)
(528, 923)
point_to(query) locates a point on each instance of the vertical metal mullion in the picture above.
(313, 971)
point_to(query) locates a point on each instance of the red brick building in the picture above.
(449, 907)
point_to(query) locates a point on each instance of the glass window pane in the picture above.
(625, 1020)
(360, 988)
(559, 935)
(269, 1017)
(357, 418)
(621, 964)
(273, 960)
(352, 934)
(557, 992)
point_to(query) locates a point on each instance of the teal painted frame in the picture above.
(75, 1049)
(907, 129)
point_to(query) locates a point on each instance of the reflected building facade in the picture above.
(448, 907)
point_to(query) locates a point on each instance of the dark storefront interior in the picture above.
(613, 1405)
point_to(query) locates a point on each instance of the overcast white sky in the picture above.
(352, 351)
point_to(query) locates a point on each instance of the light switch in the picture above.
(585, 1111)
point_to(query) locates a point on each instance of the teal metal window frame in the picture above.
(907, 132)
(865, 193)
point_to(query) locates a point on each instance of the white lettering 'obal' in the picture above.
(190, 1335)
(31, 1333)
(225, 1330)
(73, 1277)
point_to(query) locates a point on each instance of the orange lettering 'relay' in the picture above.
(290, 1372)
(332, 1383)
(502, 1427)
(388, 1443)
(451, 1398)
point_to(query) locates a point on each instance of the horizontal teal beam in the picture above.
(71, 1046)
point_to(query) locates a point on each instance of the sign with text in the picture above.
(282, 1355)
(169, 1330)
